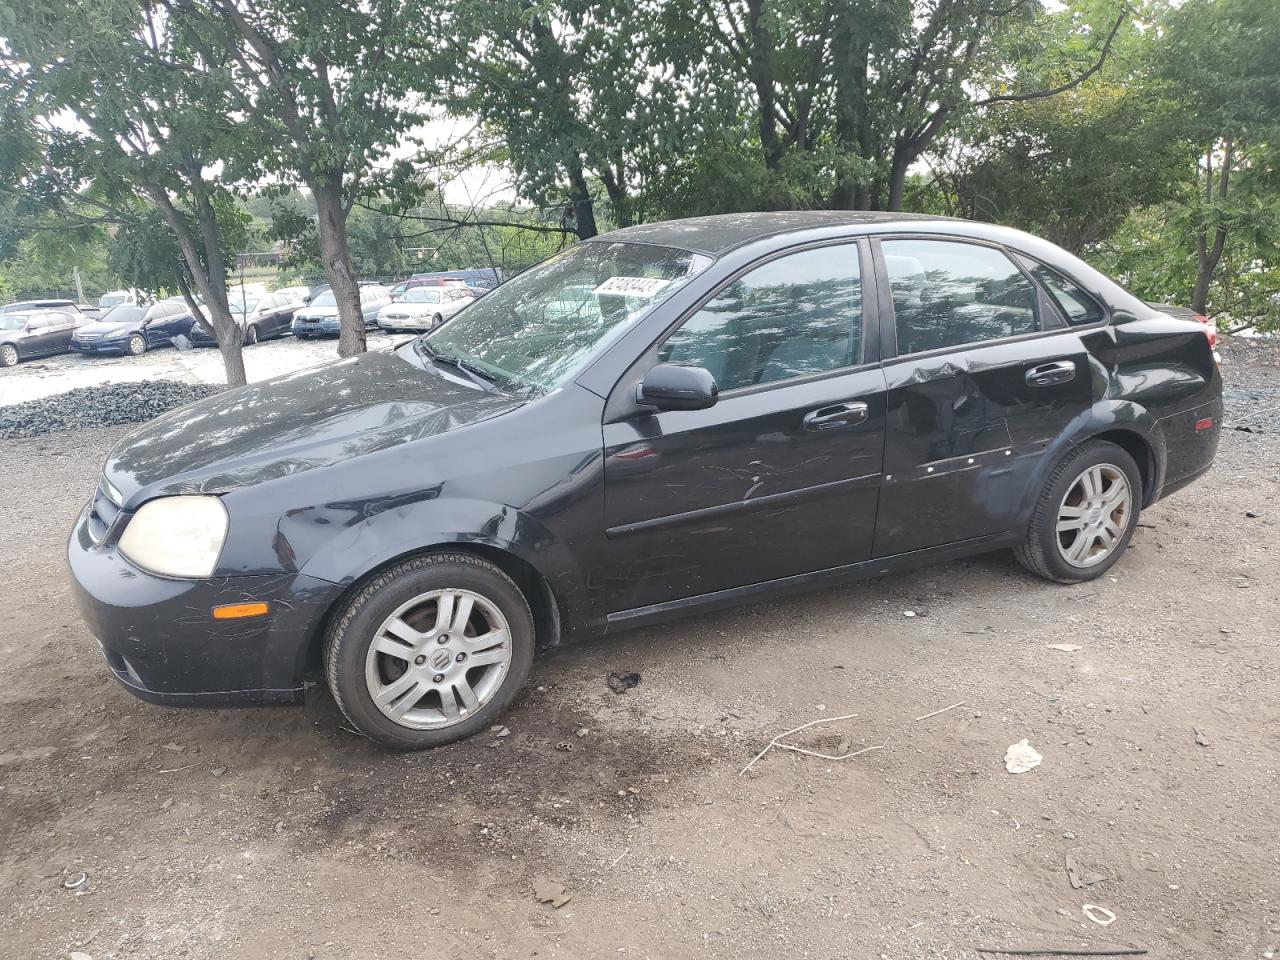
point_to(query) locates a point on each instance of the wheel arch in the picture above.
(544, 603)
(1139, 447)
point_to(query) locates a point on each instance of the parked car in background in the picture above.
(423, 308)
(262, 316)
(35, 333)
(114, 298)
(485, 278)
(25, 306)
(320, 317)
(134, 329)
(747, 404)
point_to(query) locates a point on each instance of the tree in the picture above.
(1219, 60)
(588, 99)
(151, 120)
(326, 92)
(844, 96)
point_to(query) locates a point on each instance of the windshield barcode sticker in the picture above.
(632, 286)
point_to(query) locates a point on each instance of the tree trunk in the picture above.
(761, 70)
(209, 276)
(1208, 256)
(584, 212)
(335, 257)
(897, 179)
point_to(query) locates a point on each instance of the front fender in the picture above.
(387, 535)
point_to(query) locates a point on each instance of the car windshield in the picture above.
(123, 314)
(13, 321)
(540, 328)
(112, 300)
(243, 304)
(326, 299)
(422, 295)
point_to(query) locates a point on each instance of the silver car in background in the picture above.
(424, 308)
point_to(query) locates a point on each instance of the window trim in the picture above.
(888, 319)
(869, 341)
(1066, 321)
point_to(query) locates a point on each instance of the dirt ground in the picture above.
(247, 834)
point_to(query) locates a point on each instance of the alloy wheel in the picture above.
(251, 336)
(137, 345)
(1094, 515)
(8, 355)
(438, 659)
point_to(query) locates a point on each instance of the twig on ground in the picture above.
(176, 769)
(943, 710)
(827, 756)
(804, 726)
(618, 859)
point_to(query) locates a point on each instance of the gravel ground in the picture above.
(46, 377)
(278, 834)
(107, 405)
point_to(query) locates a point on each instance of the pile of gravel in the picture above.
(104, 406)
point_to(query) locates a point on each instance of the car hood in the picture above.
(294, 423)
(99, 327)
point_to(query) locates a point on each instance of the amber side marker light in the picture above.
(238, 611)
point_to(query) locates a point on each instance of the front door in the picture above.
(780, 477)
(985, 378)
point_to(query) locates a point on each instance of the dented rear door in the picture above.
(964, 431)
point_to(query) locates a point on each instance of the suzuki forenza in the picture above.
(664, 419)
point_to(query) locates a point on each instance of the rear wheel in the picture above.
(137, 345)
(1085, 516)
(8, 355)
(430, 651)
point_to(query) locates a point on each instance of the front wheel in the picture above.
(250, 335)
(431, 651)
(8, 355)
(137, 345)
(1085, 516)
(436, 321)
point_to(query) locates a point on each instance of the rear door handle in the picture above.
(1050, 374)
(836, 416)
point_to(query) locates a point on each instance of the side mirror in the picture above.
(669, 386)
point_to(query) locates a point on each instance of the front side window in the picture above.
(538, 329)
(1078, 307)
(796, 315)
(948, 294)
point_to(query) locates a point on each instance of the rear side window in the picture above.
(1078, 307)
(948, 294)
(795, 315)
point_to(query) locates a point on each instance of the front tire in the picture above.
(8, 355)
(250, 335)
(137, 345)
(436, 321)
(430, 651)
(1085, 516)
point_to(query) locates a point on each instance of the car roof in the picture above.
(716, 234)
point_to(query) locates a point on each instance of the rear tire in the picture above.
(1085, 516)
(430, 651)
(137, 345)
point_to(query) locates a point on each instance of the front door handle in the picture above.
(1051, 374)
(836, 416)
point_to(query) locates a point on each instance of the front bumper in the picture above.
(161, 642)
(100, 346)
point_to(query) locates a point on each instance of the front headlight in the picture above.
(176, 536)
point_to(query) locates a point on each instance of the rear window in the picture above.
(1078, 307)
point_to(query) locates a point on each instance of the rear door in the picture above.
(780, 476)
(981, 375)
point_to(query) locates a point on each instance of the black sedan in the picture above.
(742, 405)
